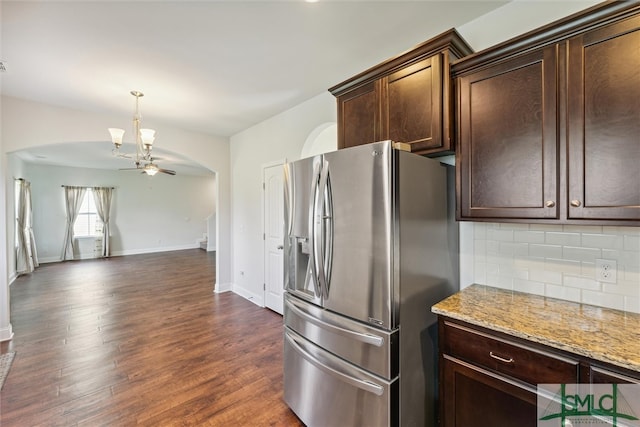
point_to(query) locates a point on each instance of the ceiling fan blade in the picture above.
(167, 171)
(129, 169)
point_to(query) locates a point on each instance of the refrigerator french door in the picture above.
(371, 245)
(341, 216)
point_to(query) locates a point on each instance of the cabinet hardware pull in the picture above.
(550, 203)
(502, 359)
(575, 203)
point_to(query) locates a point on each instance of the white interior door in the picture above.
(273, 207)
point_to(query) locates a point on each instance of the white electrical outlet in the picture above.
(606, 271)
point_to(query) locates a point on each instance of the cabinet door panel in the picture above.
(360, 110)
(474, 397)
(604, 117)
(508, 142)
(414, 105)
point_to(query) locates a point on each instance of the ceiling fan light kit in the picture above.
(150, 169)
(144, 143)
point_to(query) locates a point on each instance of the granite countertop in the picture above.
(599, 333)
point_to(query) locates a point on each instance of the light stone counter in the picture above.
(602, 334)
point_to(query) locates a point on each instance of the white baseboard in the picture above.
(6, 333)
(86, 256)
(245, 293)
(153, 250)
(127, 252)
(223, 287)
(12, 278)
(48, 260)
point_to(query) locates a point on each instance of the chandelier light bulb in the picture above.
(147, 136)
(116, 136)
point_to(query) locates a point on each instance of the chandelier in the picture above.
(144, 143)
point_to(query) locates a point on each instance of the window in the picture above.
(88, 222)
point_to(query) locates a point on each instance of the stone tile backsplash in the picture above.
(559, 261)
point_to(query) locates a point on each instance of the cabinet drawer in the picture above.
(604, 375)
(523, 362)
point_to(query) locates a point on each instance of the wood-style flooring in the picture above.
(140, 340)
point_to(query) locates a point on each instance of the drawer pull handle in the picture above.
(502, 359)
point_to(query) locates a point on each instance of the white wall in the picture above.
(517, 17)
(556, 261)
(148, 214)
(211, 232)
(278, 138)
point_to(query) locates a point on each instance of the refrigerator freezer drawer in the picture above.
(324, 390)
(370, 348)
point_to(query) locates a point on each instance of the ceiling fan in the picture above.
(150, 168)
(144, 144)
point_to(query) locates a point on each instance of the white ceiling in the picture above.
(216, 67)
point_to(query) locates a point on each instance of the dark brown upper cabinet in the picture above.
(603, 94)
(548, 124)
(407, 99)
(508, 141)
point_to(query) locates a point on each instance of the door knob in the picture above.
(575, 203)
(550, 203)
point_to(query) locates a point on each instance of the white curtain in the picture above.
(26, 254)
(73, 200)
(102, 200)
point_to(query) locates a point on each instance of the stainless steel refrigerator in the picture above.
(371, 244)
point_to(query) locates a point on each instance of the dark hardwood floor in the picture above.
(140, 340)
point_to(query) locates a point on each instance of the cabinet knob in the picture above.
(575, 203)
(550, 203)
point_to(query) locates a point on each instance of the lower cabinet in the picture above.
(490, 379)
(473, 396)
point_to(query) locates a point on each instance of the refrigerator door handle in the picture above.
(319, 230)
(328, 234)
(289, 196)
(313, 262)
(289, 204)
(365, 385)
(359, 336)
